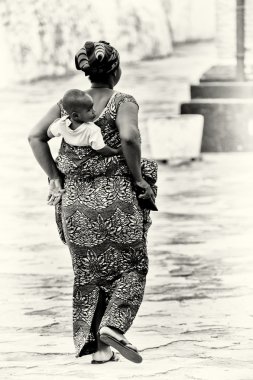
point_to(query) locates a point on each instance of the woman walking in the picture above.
(97, 211)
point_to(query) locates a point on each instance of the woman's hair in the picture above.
(100, 78)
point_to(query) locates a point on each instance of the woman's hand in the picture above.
(147, 191)
(55, 192)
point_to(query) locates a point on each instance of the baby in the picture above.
(77, 127)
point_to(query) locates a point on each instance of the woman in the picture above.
(97, 211)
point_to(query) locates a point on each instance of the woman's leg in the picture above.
(104, 351)
(125, 300)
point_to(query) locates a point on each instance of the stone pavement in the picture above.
(196, 321)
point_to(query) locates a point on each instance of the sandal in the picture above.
(125, 348)
(113, 358)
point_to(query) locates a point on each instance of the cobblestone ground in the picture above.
(196, 321)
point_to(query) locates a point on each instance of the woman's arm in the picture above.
(38, 140)
(127, 123)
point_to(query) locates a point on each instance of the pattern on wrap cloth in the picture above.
(105, 229)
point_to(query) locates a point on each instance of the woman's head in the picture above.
(100, 61)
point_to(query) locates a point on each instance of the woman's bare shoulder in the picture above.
(121, 98)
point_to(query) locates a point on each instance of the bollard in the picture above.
(176, 137)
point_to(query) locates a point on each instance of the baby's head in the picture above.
(79, 105)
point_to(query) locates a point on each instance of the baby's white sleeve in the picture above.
(54, 128)
(96, 140)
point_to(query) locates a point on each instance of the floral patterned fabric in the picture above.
(105, 229)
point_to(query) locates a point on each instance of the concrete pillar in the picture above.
(240, 40)
(224, 95)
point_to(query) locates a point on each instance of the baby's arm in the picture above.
(50, 134)
(97, 143)
(108, 151)
(54, 129)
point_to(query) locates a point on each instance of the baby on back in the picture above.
(77, 128)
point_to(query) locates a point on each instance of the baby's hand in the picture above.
(119, 150)
(55, 192)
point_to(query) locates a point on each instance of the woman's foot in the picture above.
(103, 354)
(114, 338)
(115, 334)
(113, 358)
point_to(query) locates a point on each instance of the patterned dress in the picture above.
(105, 229)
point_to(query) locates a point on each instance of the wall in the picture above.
(40, 37)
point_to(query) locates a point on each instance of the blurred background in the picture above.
(40, 38)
